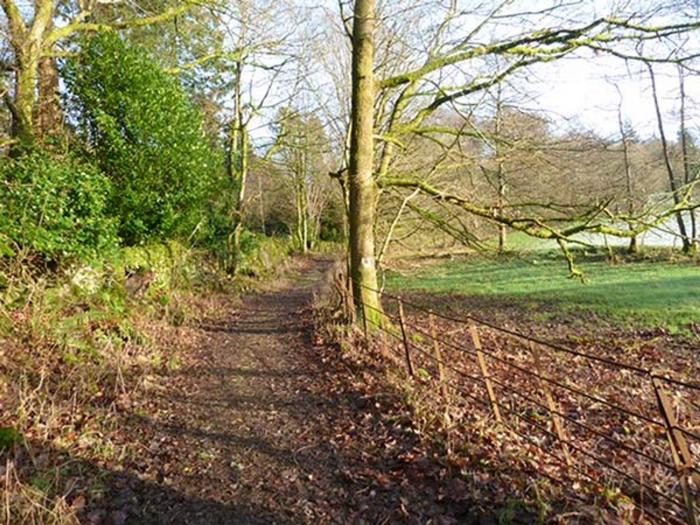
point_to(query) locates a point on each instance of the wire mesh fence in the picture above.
(598, 421)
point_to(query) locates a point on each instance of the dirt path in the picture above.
(266, 427)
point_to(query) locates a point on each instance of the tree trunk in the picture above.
(49, 118)
(238, 170)
(261, 207)
(28, 45)
(687, 176)
(362, 186)
(241, 177)
(633, 246)
(304, 219)
(25, 99)
(301, 212)
(500, 172)
(302, 203)
(667, 162)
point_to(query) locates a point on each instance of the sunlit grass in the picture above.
(639, 293)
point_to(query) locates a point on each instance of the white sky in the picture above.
(579, 90)
(584, 91)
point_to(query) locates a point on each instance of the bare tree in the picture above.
(450, 65)
(301, 148)
(627, 167)
(254, 67)
(688, 175)
(675, 186)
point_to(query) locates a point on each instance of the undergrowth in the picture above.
(80, 349)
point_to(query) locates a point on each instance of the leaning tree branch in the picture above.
(78, 25)
(535, 226)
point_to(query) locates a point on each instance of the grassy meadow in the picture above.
(635, 293)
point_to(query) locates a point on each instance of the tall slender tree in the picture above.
(675, 187)
(363, 271)
(688, 175)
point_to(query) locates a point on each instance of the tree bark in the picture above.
(667, 161)
(302, 200)
(361, 183)
(237, 164)
(500, 172)
(25, 98)
(261, 207)
(633, 246)
(49, 117)
(688, 178)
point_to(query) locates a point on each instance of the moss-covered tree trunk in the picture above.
(49, 115)
(28, 42)
(237, 164)
(23, 105)
(302, 198)
(361, 183)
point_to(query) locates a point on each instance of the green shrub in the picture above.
(147, 136)
(55, 207)
(262, 255)
(170, 263)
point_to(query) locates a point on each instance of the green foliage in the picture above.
(55, 207)
(147, 136)
(262, 255)
(170, 264)
(9, 437)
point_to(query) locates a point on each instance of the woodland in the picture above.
(245, 245)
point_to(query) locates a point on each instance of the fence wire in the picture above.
(681, 466)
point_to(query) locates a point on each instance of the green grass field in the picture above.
(635, 294)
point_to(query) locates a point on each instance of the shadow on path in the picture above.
(262, 426)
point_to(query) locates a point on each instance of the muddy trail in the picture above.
(264, 425)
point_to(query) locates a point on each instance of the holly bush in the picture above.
(146, 135)
(54, 206)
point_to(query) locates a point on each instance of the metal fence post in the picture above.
(402, 322)
(679, 448)
(485, 373)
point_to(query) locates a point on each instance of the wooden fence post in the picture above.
(680, 451)
(352, 307)
(402, 322)
(438, 357)
(364, 321)
(554, 409)
(485, 373)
